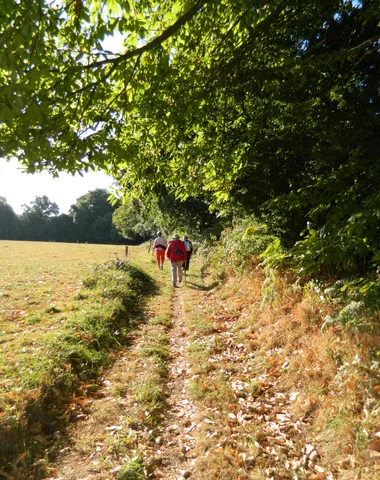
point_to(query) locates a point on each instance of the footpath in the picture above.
(194, 396)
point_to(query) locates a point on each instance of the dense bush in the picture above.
(240, 245)
(357, 309)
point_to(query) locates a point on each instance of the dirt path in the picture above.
(194, 397)
(175, 440)
(191, 428)
(112, 426)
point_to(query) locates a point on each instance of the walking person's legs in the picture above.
(179, 266)
(163, 259)
(160, 259)
(174, 273)
(158, 253)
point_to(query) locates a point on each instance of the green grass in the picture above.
(164, 320)
(149, 394)
(156, 349)
(56, 331)
(38, 283)
(132, 469)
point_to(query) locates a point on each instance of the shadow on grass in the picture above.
(34, 425)
(201, 287)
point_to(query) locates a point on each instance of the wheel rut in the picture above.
(176, 442)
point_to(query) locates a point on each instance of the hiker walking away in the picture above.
(189, 251)
(159, 246)
(176, 253)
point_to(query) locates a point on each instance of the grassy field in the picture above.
(267, 385)
(38, 284)
(63, 309)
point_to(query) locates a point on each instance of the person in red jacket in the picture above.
(159, 247)
(176, 253)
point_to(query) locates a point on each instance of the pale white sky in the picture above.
(21, 188)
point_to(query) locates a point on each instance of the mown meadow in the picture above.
(96, 353)
(38, 287)
(63, 308)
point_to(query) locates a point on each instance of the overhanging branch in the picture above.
(154, 43)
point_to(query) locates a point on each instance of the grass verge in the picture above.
(67, 360)
(282, 397)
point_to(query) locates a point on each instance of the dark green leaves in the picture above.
(273, 109)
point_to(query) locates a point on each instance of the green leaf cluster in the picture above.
(269, 109)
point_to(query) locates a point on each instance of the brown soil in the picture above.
(174, 439)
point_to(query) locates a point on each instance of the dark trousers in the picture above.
(186, 264)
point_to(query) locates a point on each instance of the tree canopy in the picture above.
(36, 216)
(140, 219)
(9, 223)
(92, 217)
(271, 108)
(89, 220)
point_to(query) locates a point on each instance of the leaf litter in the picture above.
(241, 424)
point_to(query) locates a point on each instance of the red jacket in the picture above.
(174, 251)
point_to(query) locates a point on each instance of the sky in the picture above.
(21, 188)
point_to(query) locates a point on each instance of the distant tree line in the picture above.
(93, 219)
(89, 220)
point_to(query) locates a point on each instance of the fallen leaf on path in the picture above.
(318, 476)
(375, 446)
(370, 456)
(115, 470)
(114, 427)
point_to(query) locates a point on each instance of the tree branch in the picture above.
(154, 43)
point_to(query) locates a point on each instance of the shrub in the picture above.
(240, 245)
(357, 310)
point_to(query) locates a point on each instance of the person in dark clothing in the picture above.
(189, 251)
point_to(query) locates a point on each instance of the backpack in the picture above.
(188, 245)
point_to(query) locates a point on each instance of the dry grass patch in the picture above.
(320, 381)
(329, 370)
(211, 392)
(221, 464)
